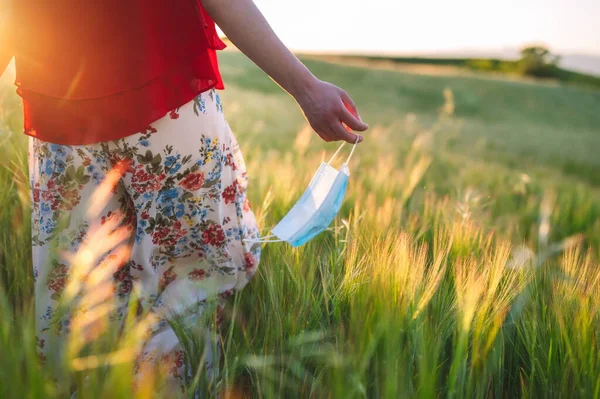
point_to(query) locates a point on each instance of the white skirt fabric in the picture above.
(180, 195)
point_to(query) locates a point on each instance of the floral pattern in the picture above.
(182, 192)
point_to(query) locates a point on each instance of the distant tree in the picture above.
(538, 61)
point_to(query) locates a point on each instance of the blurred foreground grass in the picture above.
(464, 261)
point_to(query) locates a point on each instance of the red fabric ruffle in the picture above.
(79, 122)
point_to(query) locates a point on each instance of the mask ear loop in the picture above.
(352, 152)
(339, 149)
(336, 153)
(263, 239)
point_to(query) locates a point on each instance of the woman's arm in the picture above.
(324, 105)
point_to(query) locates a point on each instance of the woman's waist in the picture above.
(78, 122)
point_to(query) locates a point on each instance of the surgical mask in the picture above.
(316, 208)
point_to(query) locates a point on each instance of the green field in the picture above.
(464, 262)
(488, 65)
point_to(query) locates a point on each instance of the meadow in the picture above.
(464, 261)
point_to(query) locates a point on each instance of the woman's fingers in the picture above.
(352, 122)
(351, 117)
(342, 134)
(323, 132)
(348, 102)
(334, 130)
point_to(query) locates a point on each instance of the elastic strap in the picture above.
(353, 148)
(264, 239)
(339, 149)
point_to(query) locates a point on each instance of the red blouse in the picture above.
(92, 71)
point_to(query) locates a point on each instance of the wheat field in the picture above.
(464, 261)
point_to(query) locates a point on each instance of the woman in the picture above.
(130, 87)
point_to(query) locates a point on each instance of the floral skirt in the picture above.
(165, 208)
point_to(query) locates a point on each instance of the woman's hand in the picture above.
(328, 108)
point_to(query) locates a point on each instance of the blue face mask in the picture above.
(316, 208)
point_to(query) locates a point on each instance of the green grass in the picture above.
(464, 261)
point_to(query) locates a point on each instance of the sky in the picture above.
(427, 26)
